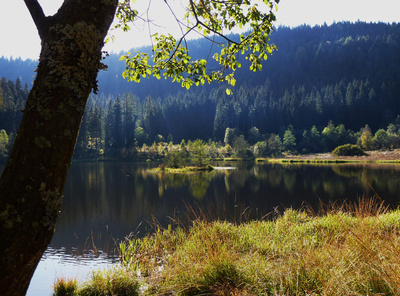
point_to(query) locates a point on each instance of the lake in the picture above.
(104, 202)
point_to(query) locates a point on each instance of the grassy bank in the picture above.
(344, 250)
(308, 161)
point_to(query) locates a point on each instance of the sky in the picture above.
(19, 37)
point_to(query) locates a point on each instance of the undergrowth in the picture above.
(341, 249)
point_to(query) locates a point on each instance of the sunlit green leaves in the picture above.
(171, 59)
(125, 14)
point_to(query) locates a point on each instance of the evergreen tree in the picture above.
(153, 118)
(83, 137)
(128, 116)
(341, 135)
(289, 141)
(116, 127)
(221, 120)
(95, 128)
(108, 128)
(254, 135)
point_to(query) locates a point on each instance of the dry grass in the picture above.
(345, 249)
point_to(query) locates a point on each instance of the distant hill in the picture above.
(347, 73)
(309, 56)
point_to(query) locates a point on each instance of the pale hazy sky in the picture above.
(19, 37)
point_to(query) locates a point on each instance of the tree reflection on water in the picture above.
(121, 196)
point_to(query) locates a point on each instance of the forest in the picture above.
(325, 86)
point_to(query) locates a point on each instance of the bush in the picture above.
(176, 159)
(348, 150)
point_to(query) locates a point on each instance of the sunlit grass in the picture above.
(312, 161)
(345, 249)
(65, 287)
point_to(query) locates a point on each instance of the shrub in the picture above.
(198, 154)
(176, 159)
(348, 150)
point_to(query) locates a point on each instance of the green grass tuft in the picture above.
(65, 287)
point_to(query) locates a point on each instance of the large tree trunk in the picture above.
(32, 183)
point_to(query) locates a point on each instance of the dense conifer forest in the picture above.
(325, 86)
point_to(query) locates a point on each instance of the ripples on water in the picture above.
(58, 263)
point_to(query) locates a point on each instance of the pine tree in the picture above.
(289, 141)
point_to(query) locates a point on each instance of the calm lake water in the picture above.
(105, 202)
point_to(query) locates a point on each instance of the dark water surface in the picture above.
(105, 202)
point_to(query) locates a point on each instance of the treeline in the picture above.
(129, 128)
(13, 97)
(344, 75)
(14, 69)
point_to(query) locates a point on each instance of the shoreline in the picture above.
(376, 156)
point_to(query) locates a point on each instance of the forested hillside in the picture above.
(324, 85)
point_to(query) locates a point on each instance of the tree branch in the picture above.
(37, 14)
(199, 22)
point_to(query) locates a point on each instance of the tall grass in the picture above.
(341, 249)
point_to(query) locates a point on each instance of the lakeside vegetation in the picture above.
(310, 161)
(344, 249)
(183, 170)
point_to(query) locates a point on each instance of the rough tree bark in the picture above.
(32, 182)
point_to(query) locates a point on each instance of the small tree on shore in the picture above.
(260, 149)
(241, 147)
(274, 145)
(176, 158)
(289, 141)
(198, 154)
(381, 139)
(367, 141)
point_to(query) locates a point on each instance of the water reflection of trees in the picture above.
(383, 179)
(377, 178)
(122, 195)
(197, 183)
